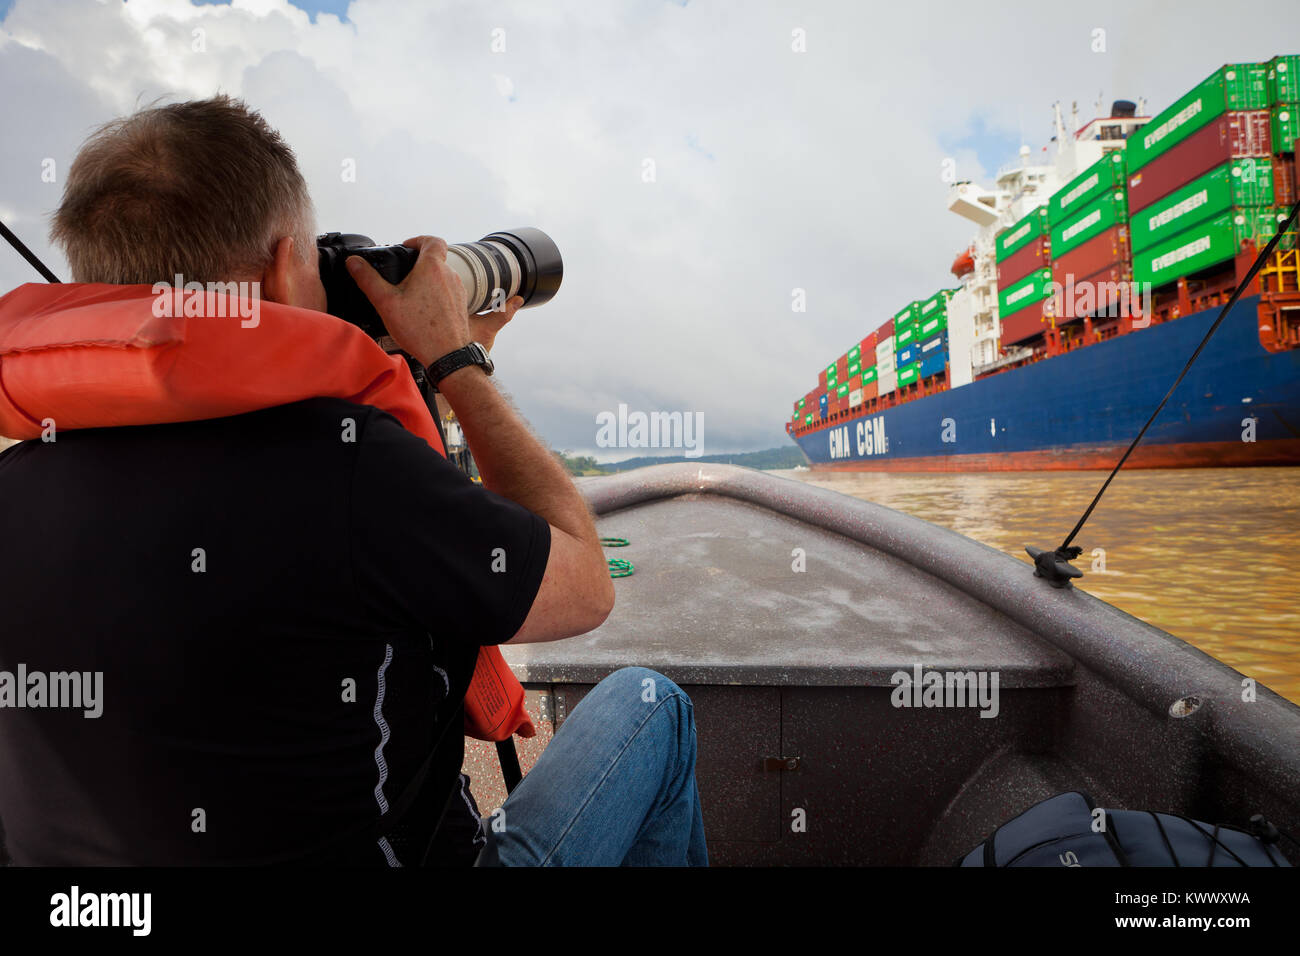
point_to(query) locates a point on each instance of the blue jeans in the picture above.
(616, 787)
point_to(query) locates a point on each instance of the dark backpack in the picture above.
(1059, 832)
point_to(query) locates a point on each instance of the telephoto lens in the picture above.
(523, 261)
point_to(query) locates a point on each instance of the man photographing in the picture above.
(287, 603)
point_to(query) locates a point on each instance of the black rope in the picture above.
(27, 254)
(1254, 270)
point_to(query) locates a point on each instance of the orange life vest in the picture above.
(94, 356)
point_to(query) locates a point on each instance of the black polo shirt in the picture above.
(285, 608)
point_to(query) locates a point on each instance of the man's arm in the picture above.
(427, 316)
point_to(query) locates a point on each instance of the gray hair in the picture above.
(203, 189)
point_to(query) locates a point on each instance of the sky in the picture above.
(774, 168)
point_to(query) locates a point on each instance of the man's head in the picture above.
(204, 189)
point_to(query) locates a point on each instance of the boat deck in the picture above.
(790, 673)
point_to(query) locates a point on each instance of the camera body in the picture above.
(523, 261)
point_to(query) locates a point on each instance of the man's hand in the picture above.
(426, 313)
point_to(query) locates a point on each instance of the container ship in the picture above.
(1091, 279)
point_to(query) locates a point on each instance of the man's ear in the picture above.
(278, 279)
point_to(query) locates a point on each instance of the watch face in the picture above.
(482, 357)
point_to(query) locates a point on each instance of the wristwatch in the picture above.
(472, 354)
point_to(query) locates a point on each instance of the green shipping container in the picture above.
(1103, 175)
(1110, 210)
(903, 337)
(854, 353)
(1246, 182)
(931, 326)
(854, 367)
(868, 375)
(1284, 80)
(807, 419)
(1205, 244)
(1022, 233)
(842, 390)
(802, 401)
(909, 374)
(1237, 86)
(937, 304)
(1032, 288)
(1285, 127)
(908, 315)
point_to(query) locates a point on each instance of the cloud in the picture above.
(773, 170)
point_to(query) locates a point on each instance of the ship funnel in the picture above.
(1123, 108)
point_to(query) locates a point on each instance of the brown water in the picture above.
(1209, 555)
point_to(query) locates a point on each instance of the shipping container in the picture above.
(1036, 255)
(808, 419)
(886, 364)
(1205, 244)
(1033, 288)
(855, 397)
(1103, 176)
(907, 315)
(870, 390)
(934, 364)
(1237, 86)
(908, 354)
(853, 353)
(855, 368)
(1024, 324)
(884, 348)
(937, 304)
(1231, 136)
(937, 343)
(1094, 293)
(821, 379)
(1104, 213)
(929, 327)
(908, 374)
(869, 346)
(886, 331)
(906, 334)
(887, 382)
(800, 403)
(869, 375)
(1284, 127)
(1284, 80)
(1241, 183)
(1021, 234)
(842, 389)
(841, 369)
(1099, 252)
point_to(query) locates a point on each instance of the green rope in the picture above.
(618, 567)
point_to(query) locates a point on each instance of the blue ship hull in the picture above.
(1239, 405)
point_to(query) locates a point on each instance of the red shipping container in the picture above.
(1099, 252)
(870, 390)
(868, 345)
(1233, 134)
(842, 368)
(885, 331)
(1024, 261)
(1025, 323)
(821, 380)
(1095, 293)
(1284, 180)
(855, 383)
